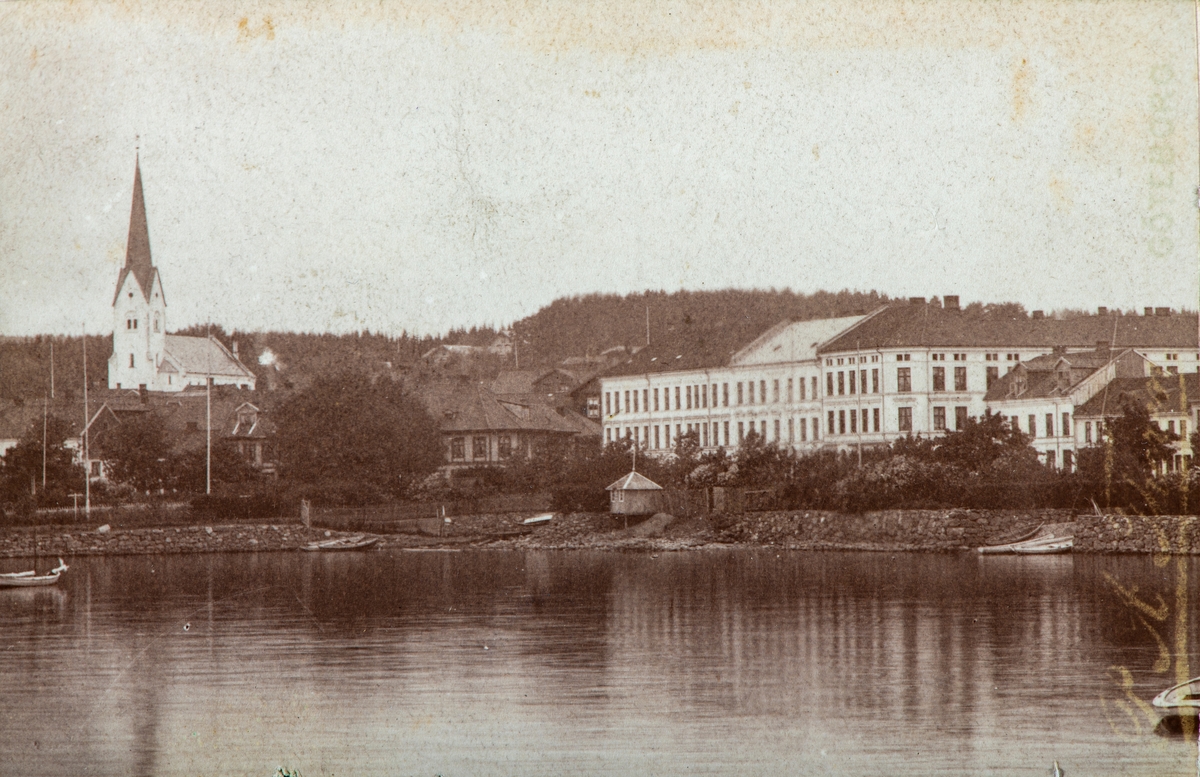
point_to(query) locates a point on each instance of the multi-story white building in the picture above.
(906, 368)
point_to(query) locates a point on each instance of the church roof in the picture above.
(204, 356)
(137, 248)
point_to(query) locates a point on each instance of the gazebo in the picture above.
(634, 494)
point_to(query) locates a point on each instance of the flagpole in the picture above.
(87, 462)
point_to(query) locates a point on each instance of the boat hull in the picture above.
(347, 543)
(28, 581)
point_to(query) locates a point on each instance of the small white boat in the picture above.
(31, 578)
(357, 542)
(537, 520)
(1183, 698)
(1058, 545)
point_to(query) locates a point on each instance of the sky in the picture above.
(429, 165)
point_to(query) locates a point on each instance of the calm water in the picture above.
(544, 663)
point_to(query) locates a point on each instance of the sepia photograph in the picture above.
(599, 387)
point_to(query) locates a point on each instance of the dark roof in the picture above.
(1041, 374)
(925, 325)
(463, 406)
(137, 248)
(1160, 393)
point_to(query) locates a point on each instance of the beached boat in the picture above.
(538, 520)
(357, 542)
(1008, 546)
(1045, 544)
(31, 578)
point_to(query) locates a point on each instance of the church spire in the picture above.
(137, 249)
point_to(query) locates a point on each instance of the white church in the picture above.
(144, 356)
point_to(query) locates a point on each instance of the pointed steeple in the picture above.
(137, 249)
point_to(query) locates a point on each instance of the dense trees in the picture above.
(21, 468)
(357, 437)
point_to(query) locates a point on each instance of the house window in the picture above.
(829, 384)
(904, 380)
(992, 357)
(939, 378)
(853, 422)
(1171, 427)
(841, 422)
(875, 418)
(607, 403)
(803, 430)
(628, 405)
(777, 436)
(1032, 425)
(504, 446)
(939, 419)
(993, 375)
(903, 357)
(479, 447)
(678, 404)
(791, 430)
(646, 436)
(802, 392)
(762, 392)
(656, 403)
(725, 431)
(831, 429)
(458, 448)
(1087, 431)
(852, 382)
(724, 395)
(666, 435)
(960, 378)
(789, 394)
(714, 395)
(775, 390)
(687, 393)
(608, 435)
(703, 396)
(750, 392)
(960, 418)
(1068, 461)
(646, 399)
(157, 322)
(741, 431)
(904, 418)
(130, 360)
(1049, 424)
(1050, 459)
(841, 383)
(875, 381)
(1065, 431)
(816, 429)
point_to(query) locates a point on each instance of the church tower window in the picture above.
(131, 361)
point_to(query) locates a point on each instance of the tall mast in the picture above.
(87, 462)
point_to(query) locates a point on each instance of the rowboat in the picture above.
(1183, 698)
(1035, 547)
(31, 578)
(357, 542)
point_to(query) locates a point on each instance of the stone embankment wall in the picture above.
(189, 539)
(1175, 534)
(894, 529)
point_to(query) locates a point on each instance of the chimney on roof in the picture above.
(1102, 311)
(1148, 311)
(1102, 347)
(142, 393)
(1038, 314)
(950, 302)
(1059, 350)
(916, 300)
(1162, 311)
(235, 353)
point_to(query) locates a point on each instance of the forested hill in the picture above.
(718, 321)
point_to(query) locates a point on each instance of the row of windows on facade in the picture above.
(907, 357)
(659, 437)
(840, 422)
(838, 383)
(480, 447)
(131, 322)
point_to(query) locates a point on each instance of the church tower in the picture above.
(139, 308)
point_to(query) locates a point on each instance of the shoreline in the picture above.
(925, 531)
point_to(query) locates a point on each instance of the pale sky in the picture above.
(420, 166)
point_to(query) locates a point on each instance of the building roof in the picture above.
(137, 248)
(514, 382)
(463, 406)
(204, 356)
(1160, 393)
(634, 481)
(1051, 375)
(926, 325)
(793, 341)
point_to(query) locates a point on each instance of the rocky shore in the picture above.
(892, 530)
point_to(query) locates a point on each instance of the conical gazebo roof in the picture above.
(635, 481)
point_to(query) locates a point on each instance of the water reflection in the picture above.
(545, 663)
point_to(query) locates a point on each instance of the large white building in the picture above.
(906, 368)
(144, 356)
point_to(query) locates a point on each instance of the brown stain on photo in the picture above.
(264, 29)
(1022, 82)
